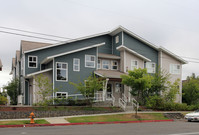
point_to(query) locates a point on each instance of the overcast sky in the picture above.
(173, 24)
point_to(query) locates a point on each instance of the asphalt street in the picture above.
(155, 128)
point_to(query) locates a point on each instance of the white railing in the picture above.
(113, 100)
(122, 103)
(98, 96)
(135, 104)
(124, 97)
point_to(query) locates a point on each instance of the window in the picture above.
(105, 64)
(32, 61)
(134, 64)
(114, 65)
(150, 67)
(62, 94)
(76, 64)
(99, 64)
(117, 39)
(62, 71)
(174, 68)
(90, 61)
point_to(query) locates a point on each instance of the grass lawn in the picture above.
(21, 122)
(118, 117)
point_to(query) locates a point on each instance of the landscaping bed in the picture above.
(53, 111)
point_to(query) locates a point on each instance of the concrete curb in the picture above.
(83, 123)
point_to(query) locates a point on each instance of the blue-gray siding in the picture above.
(141, 48)
(42, 54)
(74, 76)
(115, 45)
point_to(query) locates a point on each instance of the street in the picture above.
(155, 128)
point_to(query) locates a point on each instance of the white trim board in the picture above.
(48, 59)
(133, 52)
(39, 72)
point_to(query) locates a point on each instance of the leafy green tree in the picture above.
(12, 90)
(190, 91)
(89, 86)
(159, 83)
(139, 82)
(173, 89)
(45, 86)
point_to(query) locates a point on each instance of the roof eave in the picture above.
(173, 55)
(135, 53)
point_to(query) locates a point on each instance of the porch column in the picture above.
(105, 89)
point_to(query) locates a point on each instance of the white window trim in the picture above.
(99, 64)
(112, 64)
(66, 72)
(76, 64)
(171, 72)
(62, 93)
(29, 61)
(106, 64)
(132, 65)
(154, 67)
(90, 61)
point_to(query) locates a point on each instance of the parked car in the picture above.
(193, 116)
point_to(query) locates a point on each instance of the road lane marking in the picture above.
(193, 133)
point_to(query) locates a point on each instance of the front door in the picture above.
(109, 91)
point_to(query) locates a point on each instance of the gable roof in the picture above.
(50, 58)
(172, 55)
(30, 45)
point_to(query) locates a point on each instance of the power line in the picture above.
(30, 36)
(33, 32)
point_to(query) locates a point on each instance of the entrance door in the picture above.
(109, 91)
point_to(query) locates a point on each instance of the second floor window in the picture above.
(32, 61)
(90, 61)
(114, 65)
(62, 71)
(134, 64)
(150, 67)
(105, 64)
(174, 68)
(76, 64)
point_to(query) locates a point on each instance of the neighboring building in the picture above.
(1, 65)
(108, 54)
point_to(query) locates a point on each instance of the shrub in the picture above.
(3, 100)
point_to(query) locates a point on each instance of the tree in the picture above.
(159, 83)
(45, 86)
(139, 82)
(173, 89)
(190, 91)
(89, 86)
(12, 90)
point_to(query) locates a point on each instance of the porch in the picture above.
(114, 91)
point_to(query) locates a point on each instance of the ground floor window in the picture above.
(62, 94)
